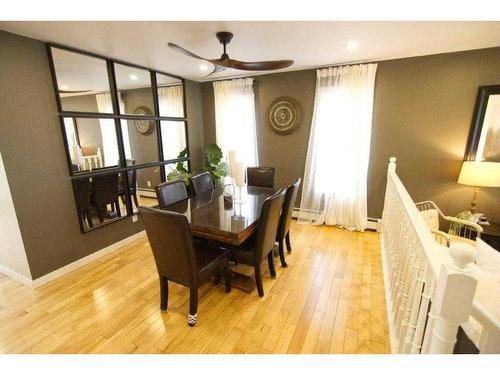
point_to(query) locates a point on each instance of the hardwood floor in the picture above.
(330, 299)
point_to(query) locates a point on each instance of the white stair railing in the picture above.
(427, 297)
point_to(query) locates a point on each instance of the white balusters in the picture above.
(411, 267)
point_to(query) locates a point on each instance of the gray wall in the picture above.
(422, 115)
(33, 153)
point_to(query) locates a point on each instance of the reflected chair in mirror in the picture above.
(261, 244)
(170, 192)
(260, 176)
(104, 191)
(132, 184)
(201, 183)
(82, 191)
(283, 233)
(181, 259)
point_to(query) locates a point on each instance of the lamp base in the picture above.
(473, 203)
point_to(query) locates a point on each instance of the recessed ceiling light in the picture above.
(133, 77)
(352, 45)
(64, 87)
(204, 67)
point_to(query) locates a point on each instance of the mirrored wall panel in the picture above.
(140, 141)
(82, 82)
(145, 181)
(92, 143)
(170, 96)
(173, 137)
(100, 200)
(135, 94)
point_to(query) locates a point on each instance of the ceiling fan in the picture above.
(224, 61)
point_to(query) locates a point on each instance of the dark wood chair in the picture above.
(170, 192)
(104, 191)
(283, 233)
(253, 251)
(201, 183)
(82, 192)
(260, 176)
(180, 258)
(132, 187)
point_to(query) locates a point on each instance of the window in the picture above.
(235, 119)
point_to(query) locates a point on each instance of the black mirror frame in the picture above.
(477, 120)
(117, 118)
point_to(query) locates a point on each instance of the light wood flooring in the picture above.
(330, 299)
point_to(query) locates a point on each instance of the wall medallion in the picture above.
(285, 115)
(144, 126)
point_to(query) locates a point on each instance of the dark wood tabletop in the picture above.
(209, 216)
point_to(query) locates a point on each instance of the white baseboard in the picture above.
(73, 266)
(16, 276)
(146, 193)
(373, 224)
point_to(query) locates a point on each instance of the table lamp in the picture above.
(479, 174)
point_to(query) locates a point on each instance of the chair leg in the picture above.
(288, 245)
(134, 197)
(270, 261)
(217, 278)
(282, 254)
(89, 218)
(163, 293)
(99, 214)
(117, 207)
(258, 281)
(193, 306)
(227, 278)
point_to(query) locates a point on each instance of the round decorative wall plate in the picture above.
(285, 115)
(144, 126)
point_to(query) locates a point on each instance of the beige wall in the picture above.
(422, 114)
(33, 153)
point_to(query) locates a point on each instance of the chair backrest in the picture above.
(105, 189)
(132, 177)
(82, 191)
(260, 176)
(268, 224)
(287, 211)
(201, 183)
(170, 239)
(170, 192)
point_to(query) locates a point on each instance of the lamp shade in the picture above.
(477, 173)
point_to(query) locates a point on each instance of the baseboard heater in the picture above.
(373, 223)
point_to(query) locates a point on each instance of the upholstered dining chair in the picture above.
(260, 176)
(201, 183)
(170, 192)
(283, 233)
(132, 187)
(181, 259)
(82, 192)
(104, 191)
(253, 251)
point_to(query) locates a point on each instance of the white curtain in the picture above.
(334, 191)
(235, 119)
(108, 133)
(173, 134)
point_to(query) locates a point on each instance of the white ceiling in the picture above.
(310, 44)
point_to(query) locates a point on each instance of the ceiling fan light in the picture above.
(133, 77)
(204, 67)
(352, 45)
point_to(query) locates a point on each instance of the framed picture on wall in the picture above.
(484, 136)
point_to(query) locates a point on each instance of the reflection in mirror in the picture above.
(489, 140)
(134, 88)
(170, 96)
(140, 140)
(82, 80)
(173, 137)
(145, 181)
(91, 143)
(99, 200)
(177, 171)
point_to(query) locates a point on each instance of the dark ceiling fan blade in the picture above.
(185, 51)
(258, 65)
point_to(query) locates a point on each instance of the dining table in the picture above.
(226, 219)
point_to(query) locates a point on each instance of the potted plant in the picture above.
(180, 172)
(218, 169)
